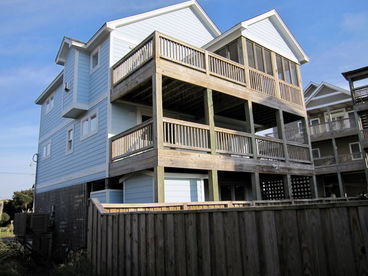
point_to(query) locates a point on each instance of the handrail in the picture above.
(131, 130)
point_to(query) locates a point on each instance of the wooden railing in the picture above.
(262, 82)
(233, 142)
(290, 93)
(185, 135)
(295, 134)
(342, 158)
(182, 53)
(132, 141)
(133, 60)
(225, 68)
(337, 125)
(270, 148)
(350, 157)
(199, 59)
(360, 94)
(298, 153)
(324, 161)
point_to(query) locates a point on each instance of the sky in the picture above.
(333, 34)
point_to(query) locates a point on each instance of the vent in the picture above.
(66, 87)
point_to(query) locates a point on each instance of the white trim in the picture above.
(352, 153)
(319, 152)
(88, 117)
(50, 88)
(46, 150)
(67, 150)
(75, 77)
(328, 104)
(73, 176)
(98, 52)
(329, 85)
(326, 96)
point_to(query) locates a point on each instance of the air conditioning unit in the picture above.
(66, 86)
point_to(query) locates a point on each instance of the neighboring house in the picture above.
(337, 154)
(358, 83)
(2, 202)
(146, 112)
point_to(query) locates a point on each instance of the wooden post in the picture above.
(210, 119)
(275, 75)
(248, 108)
(288, 187)
(244, 53)
(341, 186)
(256, 186)
(159, 183)
(157, 110)
(314, 188)
(213, 185)
(281, 132)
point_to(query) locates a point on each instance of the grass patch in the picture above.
(5, 232)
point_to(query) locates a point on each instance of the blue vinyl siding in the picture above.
(87, 153)
(83, 78)
(99, 78)
(69, 78)
(138, 189)
(53, 118)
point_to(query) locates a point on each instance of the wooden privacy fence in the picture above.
(312, 238)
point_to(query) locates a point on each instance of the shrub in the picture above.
(4, 218)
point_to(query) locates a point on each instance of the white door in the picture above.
(184, 190)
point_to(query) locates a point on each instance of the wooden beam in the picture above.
(248, 108)
(281, 132)
(314, 188)
(245, 59)
(341, 186)
(288, 187)
(159, 183)
(157, 110)
(256, 186)
(210, 119)
(213, 185)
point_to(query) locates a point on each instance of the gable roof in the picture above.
(51, 88)
(111, 25)
(279, 24)
(322, 85)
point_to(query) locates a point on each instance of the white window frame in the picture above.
(319, 152)
(96, 51)
(67, 149)
(300, 127)
(90, 132)
(313, 119)
(46, 150)
(351, 151)
(49, 103)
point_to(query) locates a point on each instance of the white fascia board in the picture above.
(326, 84)
(328, 104)
(327, 96)
(196, 7)
(50, 88)
(311, 83)
(227, 36)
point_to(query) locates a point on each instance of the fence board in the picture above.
(301, 239)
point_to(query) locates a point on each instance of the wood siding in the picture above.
(302, 239)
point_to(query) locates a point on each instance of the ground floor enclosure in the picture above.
(236, 238)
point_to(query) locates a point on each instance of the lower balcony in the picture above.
(345, 163)
(187, 145)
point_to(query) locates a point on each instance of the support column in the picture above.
(287, 186)
(314, 188)
(281, 132)
(256, 186)
(213, 185)
(210, 120)
(159, 182)
(157, 116)
(341, 186)
(248, 108)
(244, 52)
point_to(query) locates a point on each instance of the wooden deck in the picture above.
(170, 57)
(186, 145)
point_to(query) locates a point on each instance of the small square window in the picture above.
(316, 153)
(95, 59)
(93, 123)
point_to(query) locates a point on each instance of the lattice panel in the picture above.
(301, 187)
(272, 188)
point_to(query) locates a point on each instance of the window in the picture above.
(300, 128)
(316, 153)
(315, 127)
(355, 151)
(49, 103)
(95, 59)
(259, 57)
(69, 140)
(46, 150)
(89, 125)
(287, 70)
(230, 51)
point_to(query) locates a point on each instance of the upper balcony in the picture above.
(160, 53)
(337, 128)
